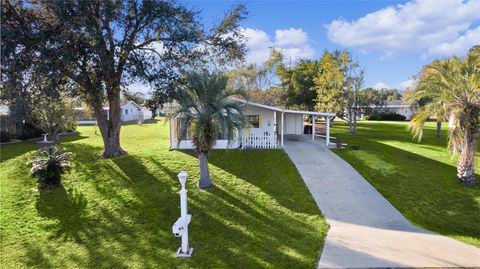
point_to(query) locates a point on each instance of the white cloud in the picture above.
(459, 46)
(416, 26)
(290, 37)
(293, 43)
(380, 85)
(406, 84)
(256, 39)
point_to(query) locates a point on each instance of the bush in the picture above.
(49, 165)
(386, 116)
(70, 127)
(28, 131)
(4, 137)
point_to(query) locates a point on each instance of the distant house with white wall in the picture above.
(130, 112)
(398, 107)
(267, 127)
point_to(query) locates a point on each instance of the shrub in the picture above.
(386, 116)
(70, 127)
(28, 131)
(50, 164)
(4, 137)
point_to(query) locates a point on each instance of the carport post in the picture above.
(328, 130)
(281, 132)
(313, 127)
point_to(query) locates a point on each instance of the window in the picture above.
(126, 111)
(253, 121)
(181, 133)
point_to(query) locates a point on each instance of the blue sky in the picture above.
(392, 40)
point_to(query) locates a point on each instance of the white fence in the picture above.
(259, 140)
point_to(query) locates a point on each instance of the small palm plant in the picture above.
(209, 110)
(454, 84)
(49, 165)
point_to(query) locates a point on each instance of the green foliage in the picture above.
(136, 97)
(49, 165)
(28, 130)
(298, 82)
(419, 179)
(4, 137)
(52, 115)
(330, 82)
(118, 213)
(70, 127)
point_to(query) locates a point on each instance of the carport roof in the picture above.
(314, 113)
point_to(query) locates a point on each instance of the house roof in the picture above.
(395, 103)
(122, 104)
(314, 113)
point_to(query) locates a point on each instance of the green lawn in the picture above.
(419, 179)
(117, 213)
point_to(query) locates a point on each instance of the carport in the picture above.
(291, 122)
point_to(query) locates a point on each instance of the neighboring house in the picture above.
(393, 106)
(267, 127)
(130, 111)
(398, 107)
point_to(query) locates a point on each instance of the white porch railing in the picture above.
(259, 139)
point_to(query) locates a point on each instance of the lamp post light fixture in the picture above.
(180, 227)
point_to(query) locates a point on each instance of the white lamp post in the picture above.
(180, 228)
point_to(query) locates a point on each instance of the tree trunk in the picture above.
(354, 129)
(205, 180)
(439, 129)
(466, 162)
(110, 129)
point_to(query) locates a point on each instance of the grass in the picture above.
(118, 213)
(419, 179)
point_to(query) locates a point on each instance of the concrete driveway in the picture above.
(365, 229)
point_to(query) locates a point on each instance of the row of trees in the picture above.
(93, 49)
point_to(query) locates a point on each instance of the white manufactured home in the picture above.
(130, 111)
(267, 127)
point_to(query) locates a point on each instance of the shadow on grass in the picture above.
(133, 201)
(11, 151)
(118, 213)
(65, 206)
(426, 191)
(272, 172)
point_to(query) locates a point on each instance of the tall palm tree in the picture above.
(209, 110)
(454, 84)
